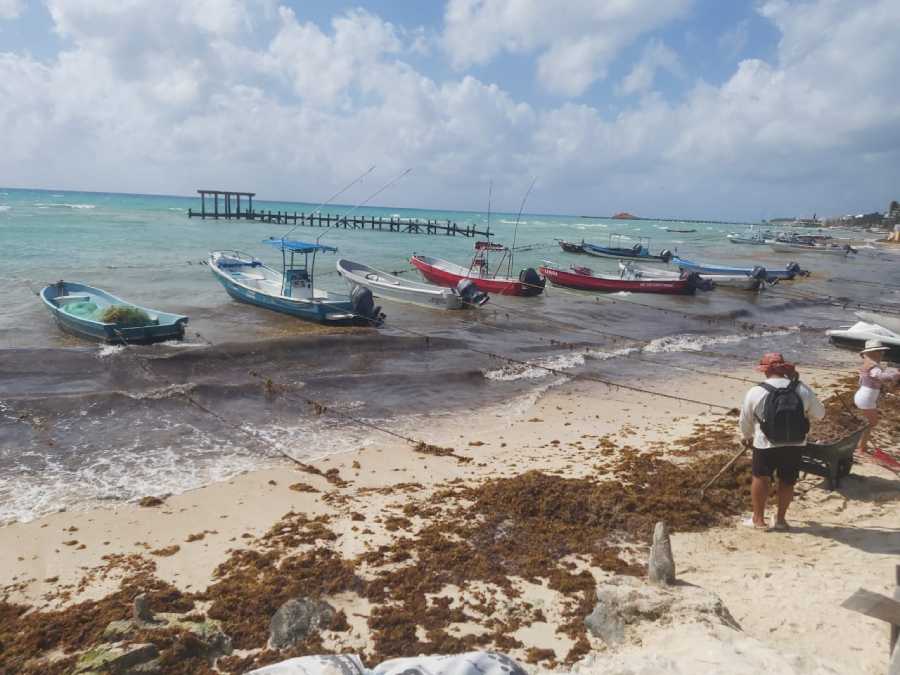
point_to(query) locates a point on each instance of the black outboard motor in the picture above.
(364, 306)
(760, 275)
(665, 255)
(697, 282)
(794, 270)
(532, 281)
(471, 295)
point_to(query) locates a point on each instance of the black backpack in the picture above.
(783, 414)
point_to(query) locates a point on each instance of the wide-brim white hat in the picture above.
(874, 346)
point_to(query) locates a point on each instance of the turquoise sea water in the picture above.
(145, 248)
(80, 422)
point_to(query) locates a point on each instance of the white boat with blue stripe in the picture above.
(292, 291)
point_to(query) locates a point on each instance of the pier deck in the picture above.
(232, 211)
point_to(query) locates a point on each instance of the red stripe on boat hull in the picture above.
(586, 282)
(499, 286)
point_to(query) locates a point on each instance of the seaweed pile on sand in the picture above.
(451, 578)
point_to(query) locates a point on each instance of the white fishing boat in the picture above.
(291, 291)
(892, 323)
(752, 236)
(803, 247)
(855, 337)
(390, 287)
(756, 280)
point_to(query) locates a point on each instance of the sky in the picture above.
(720, 109)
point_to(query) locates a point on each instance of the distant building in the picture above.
(893, 214)
(624, 215)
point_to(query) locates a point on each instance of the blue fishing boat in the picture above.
(292, 291)
(789, 272)
(618, 249)
(93, 313)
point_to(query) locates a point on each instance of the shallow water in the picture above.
(81, 422)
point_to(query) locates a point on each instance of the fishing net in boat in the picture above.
(84, 309)
(123, 315)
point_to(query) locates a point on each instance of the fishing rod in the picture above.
(374, 194)
(516, 229)
(334, 196)
(490, 194)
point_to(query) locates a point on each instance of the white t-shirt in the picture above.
(752, 409)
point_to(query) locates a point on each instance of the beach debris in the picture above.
(625, 603)
(661, 566)
(150, 501)
(297, 619)
(118, 658)
(302, 487)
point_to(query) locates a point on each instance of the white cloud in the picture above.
(11, 9)
(321, 67)
(656, 56)
(297, 109)
(576, 41)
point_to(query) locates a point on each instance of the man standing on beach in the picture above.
(774, 422)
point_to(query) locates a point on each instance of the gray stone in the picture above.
(208, 631)
(661, 566)
(626, 604)
(115, 658)
(141, 611)
(297, 619)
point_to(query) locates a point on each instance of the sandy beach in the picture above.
(377, 509)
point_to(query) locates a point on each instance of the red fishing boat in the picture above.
(583, 279)
(446, 273)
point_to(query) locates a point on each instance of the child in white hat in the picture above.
(871, 378)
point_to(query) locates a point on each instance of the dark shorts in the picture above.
(785, 460)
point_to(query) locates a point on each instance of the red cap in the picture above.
(771, 360)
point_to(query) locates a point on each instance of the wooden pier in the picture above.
(231, 210)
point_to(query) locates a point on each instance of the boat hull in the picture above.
(319, 310)
(782, 247)
(712, 270)
(587, 282)
(435, 271)
(622, 254)
(892, 323)
(389, 287)
(168, 326)
(738, 281)
(855, 337)
(748, 241)
(571, 247)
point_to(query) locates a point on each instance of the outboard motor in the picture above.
(666, 255)
(532, 281)
(794, 270)
(471, 295)
(697, 282)
(364, 306)
(760, 275)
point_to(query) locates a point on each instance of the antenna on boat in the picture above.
(490, 194)
(367, 199)
(516, 229)
(333, 197)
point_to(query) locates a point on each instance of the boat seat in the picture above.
(250, 275)
(65, 299)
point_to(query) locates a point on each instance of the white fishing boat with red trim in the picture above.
(449, 274)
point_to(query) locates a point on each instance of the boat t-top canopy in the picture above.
(295, 246)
